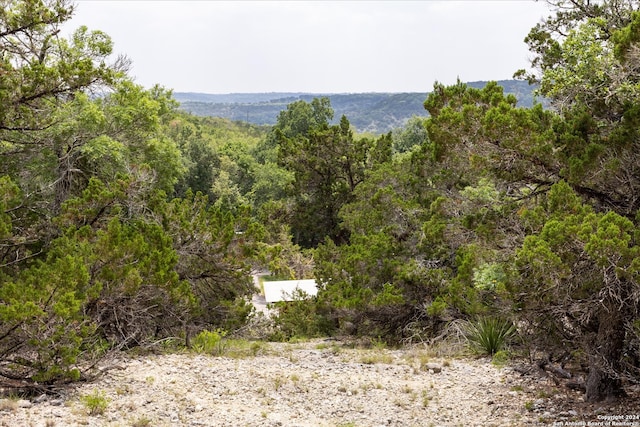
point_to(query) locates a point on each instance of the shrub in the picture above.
(96, 403)
(488, 335)
(303, 318)
(210, 342)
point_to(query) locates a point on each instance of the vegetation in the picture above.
(126, 222)
(489, 335)
(96, 403)
(375, 113)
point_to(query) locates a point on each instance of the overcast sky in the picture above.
(315, 46)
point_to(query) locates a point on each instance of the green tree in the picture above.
(107, 280)
(577, 284)
(526, 154)
(327, 164)
(86, 262)
(213, 247)
(586, 64)
(412, 134)
(413, 259)
(586, 61)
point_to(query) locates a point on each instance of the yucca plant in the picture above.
(488, 335)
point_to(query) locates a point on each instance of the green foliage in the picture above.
(437, 307)
(123, 221)
(572, 279)
(489, 276)
(209, 342)
(41, 314)
(213, 248)
(298, 320)
(92, 255)
(9, 198)
(301, 318)
(372, 113)
(96, 403)
(585, 65)
(501, 358)
(412, 134)
(489, 335)
(327, 164)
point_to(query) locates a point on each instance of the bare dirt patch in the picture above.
(311, 384)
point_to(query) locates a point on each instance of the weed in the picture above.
(335, 349)
(96, 403)
(379, 344)
(400, 403)
(290, 356)
(238, 348)
(8, 405)
(123, 390)
(543, 394)
(528, 405)
(141, 422)
(425, 398)
(423, 360)
(210, 342)
(256, 348)
(372, 358)
(365, 387)
(278, 382)
(501, 358)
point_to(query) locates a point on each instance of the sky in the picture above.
(315, 46)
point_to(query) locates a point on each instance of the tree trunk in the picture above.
(603, 381)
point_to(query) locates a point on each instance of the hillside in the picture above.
(368, 112)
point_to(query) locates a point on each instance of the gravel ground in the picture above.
(310, 384)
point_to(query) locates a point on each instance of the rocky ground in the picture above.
(319, 383)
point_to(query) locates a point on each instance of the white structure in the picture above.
(287, 290)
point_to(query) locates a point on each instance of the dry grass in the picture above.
(8, 405)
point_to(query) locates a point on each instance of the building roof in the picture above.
(285, 290)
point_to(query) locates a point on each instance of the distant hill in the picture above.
(368, 112)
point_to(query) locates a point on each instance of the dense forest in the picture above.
(374, 113)
(125, 222)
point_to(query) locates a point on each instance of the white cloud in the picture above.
(315, 46)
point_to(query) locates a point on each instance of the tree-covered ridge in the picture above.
(367, 112)
(125, 221)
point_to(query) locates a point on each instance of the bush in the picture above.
(488, 335)
(96, 403)
(302, 318)
(210, 342)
